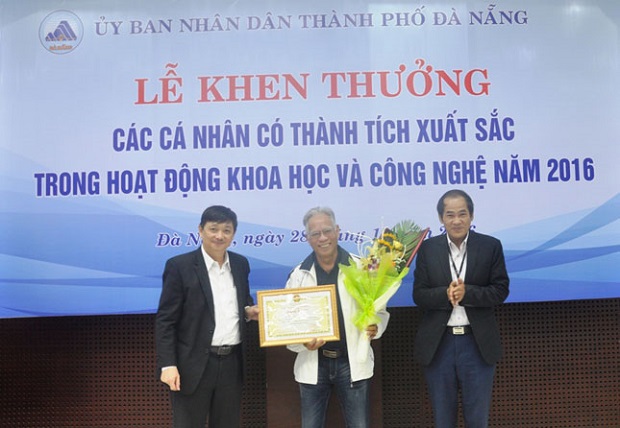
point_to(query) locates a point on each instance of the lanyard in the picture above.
(460, 269)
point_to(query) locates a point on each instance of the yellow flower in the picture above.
(384, 262)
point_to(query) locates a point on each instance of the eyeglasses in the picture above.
(328, 231)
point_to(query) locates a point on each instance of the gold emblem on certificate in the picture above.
(297, 315)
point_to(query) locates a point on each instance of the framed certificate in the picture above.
(297, 315)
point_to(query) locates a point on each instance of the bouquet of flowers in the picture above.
(384, 262)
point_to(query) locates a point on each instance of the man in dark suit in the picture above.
(204, 304)
(458, 280)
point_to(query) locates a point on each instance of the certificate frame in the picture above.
(297, 315)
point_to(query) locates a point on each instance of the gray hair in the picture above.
(455, 193)
(319, 210)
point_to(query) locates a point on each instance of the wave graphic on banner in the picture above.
(574, 262)
(79, 258)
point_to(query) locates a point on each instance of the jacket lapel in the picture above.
(444, 259)
(472, 255)
(236, 281)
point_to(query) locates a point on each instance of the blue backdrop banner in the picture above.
(121, 121)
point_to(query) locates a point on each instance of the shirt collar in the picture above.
(343, 258)
(210, 263)
(453, 247)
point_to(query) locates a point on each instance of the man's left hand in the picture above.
(251, 313)
(372, 331)
(456, 291)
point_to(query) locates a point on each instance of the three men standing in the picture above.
(205, 302)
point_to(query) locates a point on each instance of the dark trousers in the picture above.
(459, 365)
(217, 397)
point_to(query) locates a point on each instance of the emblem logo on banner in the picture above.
(61, 32)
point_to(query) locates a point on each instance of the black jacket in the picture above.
(185, 319)
(486, 282)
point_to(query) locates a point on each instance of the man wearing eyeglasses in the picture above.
(322, 366)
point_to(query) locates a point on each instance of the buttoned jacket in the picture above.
(486, 285)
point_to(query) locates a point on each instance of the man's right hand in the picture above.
(456, 292)
(314, 344)
(170, 376)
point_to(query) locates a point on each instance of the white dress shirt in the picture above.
(458, 258)
(224, 302)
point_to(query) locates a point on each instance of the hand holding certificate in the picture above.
(297, 315)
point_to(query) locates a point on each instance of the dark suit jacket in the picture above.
(185, 319)
(486, 285)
